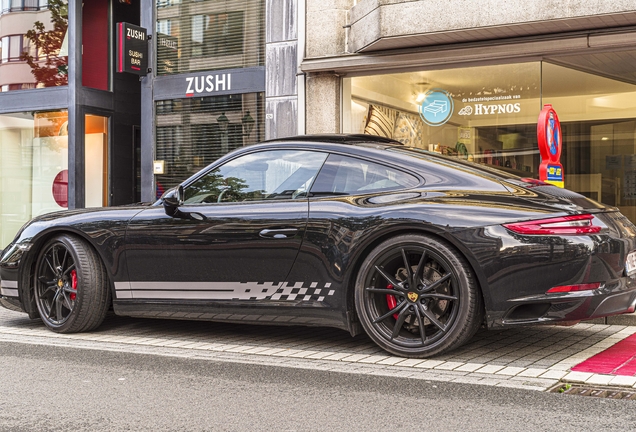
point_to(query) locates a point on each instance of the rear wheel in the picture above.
(417, 297)
(71, 285)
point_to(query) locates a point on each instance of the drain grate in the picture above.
(594, 391)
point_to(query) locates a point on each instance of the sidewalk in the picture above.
(534, 358)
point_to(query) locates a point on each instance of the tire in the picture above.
(417, 297)
(71, 286)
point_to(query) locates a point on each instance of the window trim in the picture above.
(9, 8)
(9, 58)
(421, 181)
(219, 163)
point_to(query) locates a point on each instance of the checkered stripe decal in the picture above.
(297, 291)
(286, 291)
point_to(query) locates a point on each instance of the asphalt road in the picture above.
(60, 389)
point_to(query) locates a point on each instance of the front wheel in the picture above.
(71, 285)
(417, 297)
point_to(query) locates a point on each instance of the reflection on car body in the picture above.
(356, 232)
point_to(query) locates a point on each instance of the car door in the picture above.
(346, 203)
(235, 237)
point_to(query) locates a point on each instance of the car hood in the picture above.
(89, 212)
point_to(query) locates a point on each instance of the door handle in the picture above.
(280, 233)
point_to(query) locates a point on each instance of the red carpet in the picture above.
(619, 359)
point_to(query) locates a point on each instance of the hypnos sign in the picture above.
(211, 83)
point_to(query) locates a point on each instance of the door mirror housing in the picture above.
(172, 199)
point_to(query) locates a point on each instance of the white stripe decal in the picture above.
(8, 292)
(8, 284)
(122, 290)
(122, 285)
(218, 291)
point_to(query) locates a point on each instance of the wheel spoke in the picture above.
(58, 306)
(67, 302)
(48, 288)
(56, 260)
(409, 272)
(71, 267)
(438, 296)
(53, 304)
(420, 266)
(45, 281)
(437, 283)
(420, 320)
(385, 291)
(432, 318)
(48, 262)
(399, 322)
(391, 312)
(386, 276)
(64, 259)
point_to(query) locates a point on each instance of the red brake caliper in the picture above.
(73, 284)
(391, 301)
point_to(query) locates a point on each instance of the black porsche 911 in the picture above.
(354, 232)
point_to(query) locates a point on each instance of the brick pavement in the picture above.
(535, 358)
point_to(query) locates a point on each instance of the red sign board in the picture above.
(550, 146)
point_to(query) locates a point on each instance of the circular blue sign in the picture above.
(553, 135)
(437, 107)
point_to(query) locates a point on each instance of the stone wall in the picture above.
(372, 20)
(281, 48)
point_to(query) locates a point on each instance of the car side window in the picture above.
(274, 174)
(343, 175)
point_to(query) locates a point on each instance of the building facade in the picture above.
(75, 133)
(462, 78)
(469, 78)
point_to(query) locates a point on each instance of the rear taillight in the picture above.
(564, 225)
(572, 288)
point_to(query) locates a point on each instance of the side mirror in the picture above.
(172, 199)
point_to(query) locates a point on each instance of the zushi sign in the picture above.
(132, 49)
(210, 83)
(550, 146)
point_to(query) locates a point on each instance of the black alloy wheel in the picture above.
(417, 297)
(71, 285)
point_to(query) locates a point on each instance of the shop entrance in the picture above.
(488, 115)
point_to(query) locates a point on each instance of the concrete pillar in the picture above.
(323, 103)
(281, 96)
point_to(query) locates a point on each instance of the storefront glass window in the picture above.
(196, 35)
(33, 168)
(96, 161)
(598, 120)
(485, 114)
(40, 44)
(194, 132)
(489, 115)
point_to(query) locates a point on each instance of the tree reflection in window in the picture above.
(278, 174)
(43, 52)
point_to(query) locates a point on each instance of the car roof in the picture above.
(351, 139)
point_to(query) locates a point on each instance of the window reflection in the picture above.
(33, 168)
(194, 132)
(258, 176)
(209, 35)
(37, 41)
